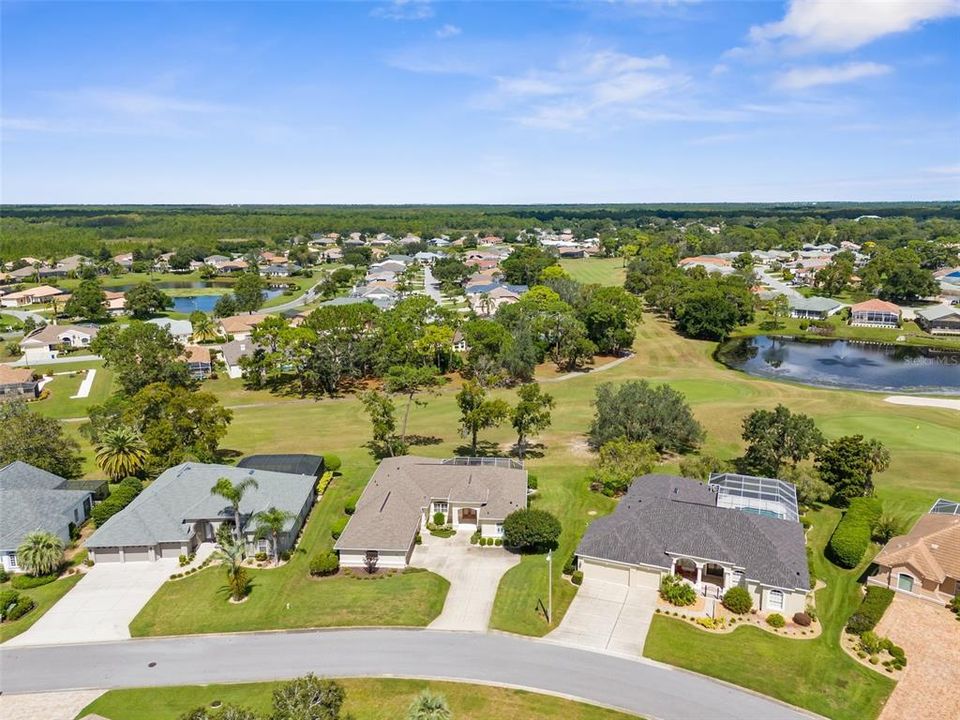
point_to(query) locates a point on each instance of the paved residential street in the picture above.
(431, 286)
(63, 360)
(777, 284)
(474, 574)
(608, 616)
(101, 605)
(644, 688)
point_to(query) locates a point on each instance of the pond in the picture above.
(178, 285)
(845, 364)
(204, 303)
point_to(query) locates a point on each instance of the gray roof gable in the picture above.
(164, 510)
(662, 516)
(33, 499)
(21, 475)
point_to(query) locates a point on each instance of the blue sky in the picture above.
(439, 102)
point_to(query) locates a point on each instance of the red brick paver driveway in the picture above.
(931, 638)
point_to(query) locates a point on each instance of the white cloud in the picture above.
(404, 10)
(812, 25)
(815, 75)
(132, 102)
(448, 31)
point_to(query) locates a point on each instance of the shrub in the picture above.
(338, 525)
(531, 529)
(475, 538)
(570, 565)
(852, 535)
(439, 518)
(874, 604)
(532, 481)
(350, 507)
(498, 542)
(677, 592)
(284, 555)
(812, 612)
(331, 462)
(4, 575)
(260, 556)
(324, 482)
(183, 560)
(954, 605)
(802, 619)
(25, 582)
(418, 540)
(738, 600)
(24, 605)
(776, 620)
(325, 564)
(132, 484)
(577, 577)
(8, 598)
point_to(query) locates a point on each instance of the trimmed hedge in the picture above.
(25, 582)
(325, 564)
(122, 496)
(851, 538)
(577, 577)
(738, 600)
(331, 462)
(350, 507)
(531, 530)
(872, 608)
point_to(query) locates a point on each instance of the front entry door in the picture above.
(468, 515)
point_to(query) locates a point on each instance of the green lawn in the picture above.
(596, 271)
(44, 596)
(367, 699)
(288, 597)
(813, 674)
(66, 381)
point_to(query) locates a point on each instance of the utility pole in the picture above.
(549, 586)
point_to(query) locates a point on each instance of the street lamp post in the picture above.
(549, 586)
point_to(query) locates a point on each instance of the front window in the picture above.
(440, 507)
(775, 599)
(737, 577)
(905, 582)
(13, 560)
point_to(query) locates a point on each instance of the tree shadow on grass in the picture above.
(485, 448)
(423, 440)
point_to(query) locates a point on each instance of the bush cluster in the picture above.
(532, 481)
(677, 592)
(851, 538)
(737, 600)
(531, 529)
(14, 606)
(871, 609)
(331, 462)
(324, 482)
(118, 499)
(475, 538)
(776, 620)
(577, 577)
(25, 582)
(350, 507)
(325, 564)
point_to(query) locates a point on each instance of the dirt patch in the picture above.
(930, 636)
(580, 448)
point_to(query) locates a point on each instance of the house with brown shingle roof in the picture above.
(17, 383)
(473, 494)
(924, 563)
(240, 326)
(875, 313)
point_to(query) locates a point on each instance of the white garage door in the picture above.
(170, 550)
(136, 553)
(641, 577)
(105, 555)
(608, 573)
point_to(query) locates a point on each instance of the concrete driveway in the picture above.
(100, 606)
(474, 574)
(608, 616)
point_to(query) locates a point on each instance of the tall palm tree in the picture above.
(233, 494)
(429, 706)
(270, 522)
(121, 452)
(204, 329)
(40, 553)
(231, 554)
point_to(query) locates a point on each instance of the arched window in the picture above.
(775, 600)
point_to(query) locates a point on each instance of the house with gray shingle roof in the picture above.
(940, 319)
(33, 499)
(406, 492)
(814, 308)
(177, 512)
(674, 525)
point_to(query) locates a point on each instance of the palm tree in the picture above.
(40, 553)
(233, 494)
(204, 329)
(231, 554)
(428, 706)
(121, 452)
(270, 522)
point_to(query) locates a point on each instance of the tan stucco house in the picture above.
(405, 492)
(924, 563)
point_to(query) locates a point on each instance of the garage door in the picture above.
(608, 573)
(105, 555)
(639, 577)
(136, 553)
(170, 550)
